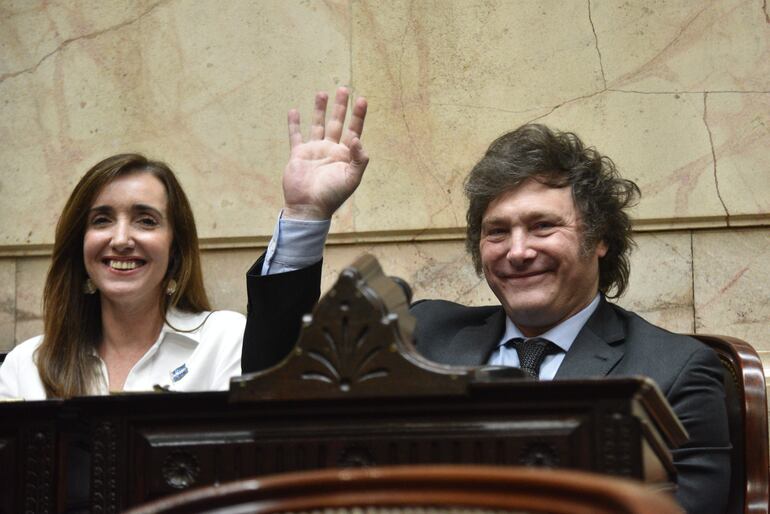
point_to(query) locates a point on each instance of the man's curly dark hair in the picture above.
(559, 159)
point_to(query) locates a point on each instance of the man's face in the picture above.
(533, 257)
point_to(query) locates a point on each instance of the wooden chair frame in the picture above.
(488, 488)
(750, 462)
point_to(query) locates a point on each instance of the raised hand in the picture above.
(323, 171)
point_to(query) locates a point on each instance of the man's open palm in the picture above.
(323, 171)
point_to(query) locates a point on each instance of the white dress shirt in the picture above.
(562, 335)
(193, 352)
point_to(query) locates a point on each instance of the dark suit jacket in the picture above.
(614, 342)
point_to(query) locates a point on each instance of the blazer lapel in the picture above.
(597, 347)
(473, 344)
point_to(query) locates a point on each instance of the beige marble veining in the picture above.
(740, 126)
(732, 284)
(477, 53)
(680, 45)
(202, 85)
(660, 288)
(7, 303)
(205, 86)
(643, 135)
(446, 78)
(660, 285)
(30, 280)
(434, 270)
(676, 92)
(32, 31)
(224, 274)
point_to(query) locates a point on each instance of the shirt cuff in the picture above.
(295, 244)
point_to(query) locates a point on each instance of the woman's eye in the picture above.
(148, 222)
(99, 220)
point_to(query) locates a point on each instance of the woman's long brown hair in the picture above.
(72, 319)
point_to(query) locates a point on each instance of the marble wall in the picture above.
(676, 91)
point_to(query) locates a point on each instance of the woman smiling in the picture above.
(124, 305)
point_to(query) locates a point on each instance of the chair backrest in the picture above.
(747, 412)
(423, 489)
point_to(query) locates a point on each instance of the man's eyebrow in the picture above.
(493, 220)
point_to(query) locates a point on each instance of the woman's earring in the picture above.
(171, 287)
(88, 286)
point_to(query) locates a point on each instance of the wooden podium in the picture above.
(353, 393)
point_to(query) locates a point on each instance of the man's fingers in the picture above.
(356, 123)
(295, 136)
(358, 157)
(337, 119)
(319, 116)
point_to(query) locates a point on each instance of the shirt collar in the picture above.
(177, 321)
(184, 324)
(563, 334)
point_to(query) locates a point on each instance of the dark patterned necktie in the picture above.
(532, 352)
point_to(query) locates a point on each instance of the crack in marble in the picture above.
(551, 109)
(492, 108)
(596, 44)
(68, 42)
(571, 100)
(685, 91)
(714, 156)
(692, 283)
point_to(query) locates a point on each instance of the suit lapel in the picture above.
(597, 347)
(473, 344)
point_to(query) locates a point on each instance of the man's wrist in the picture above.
(305, 213)
(296, 243)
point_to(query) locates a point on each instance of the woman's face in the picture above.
(128, 240)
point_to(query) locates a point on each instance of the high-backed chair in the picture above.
(421, 489)
(747, 412)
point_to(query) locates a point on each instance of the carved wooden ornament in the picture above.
(357, 343)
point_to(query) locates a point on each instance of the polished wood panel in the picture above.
(29, 456)
(152, 445)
